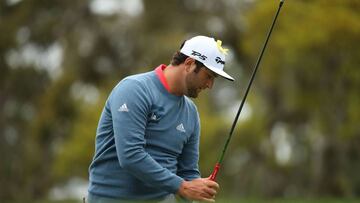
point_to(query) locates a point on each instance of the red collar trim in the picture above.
(159, 72)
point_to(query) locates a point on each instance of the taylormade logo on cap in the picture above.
(209, 52)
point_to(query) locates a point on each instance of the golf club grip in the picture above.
(214, 173)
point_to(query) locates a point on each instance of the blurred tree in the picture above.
(299, 135)
(56, 59)
(309, 85)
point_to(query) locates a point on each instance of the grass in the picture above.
(242, 200)
(314, 200)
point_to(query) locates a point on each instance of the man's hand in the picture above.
(200, 189)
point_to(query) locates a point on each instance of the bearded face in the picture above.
(193, 88)
(198, 81)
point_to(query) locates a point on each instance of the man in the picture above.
(147, 142)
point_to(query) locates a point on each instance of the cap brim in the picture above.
(221, 73)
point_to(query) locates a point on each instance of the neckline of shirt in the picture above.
(163, 82)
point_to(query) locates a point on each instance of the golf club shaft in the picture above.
(218, 164)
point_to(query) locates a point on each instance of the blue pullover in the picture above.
(147, 141)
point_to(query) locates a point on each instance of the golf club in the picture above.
(218, 164)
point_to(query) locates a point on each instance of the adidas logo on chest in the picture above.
(153, 117)
(181, 128)
(123, 108)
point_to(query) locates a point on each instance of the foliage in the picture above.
(59, 60)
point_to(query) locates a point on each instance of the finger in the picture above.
(210, 191)
(207, 200)
(209, 194)
(213, 184)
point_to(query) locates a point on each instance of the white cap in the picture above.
(207, 51)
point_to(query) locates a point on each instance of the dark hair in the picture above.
(179, 58)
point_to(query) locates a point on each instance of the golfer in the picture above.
(147, 140)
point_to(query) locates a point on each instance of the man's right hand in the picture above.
(200, 189)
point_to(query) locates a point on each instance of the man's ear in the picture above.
(189, 64)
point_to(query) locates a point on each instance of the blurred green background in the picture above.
(297, 139)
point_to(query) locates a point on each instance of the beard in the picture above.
(192, 92)
(192, 86)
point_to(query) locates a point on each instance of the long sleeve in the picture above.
(130, 105)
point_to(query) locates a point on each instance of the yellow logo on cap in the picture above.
(221, 49)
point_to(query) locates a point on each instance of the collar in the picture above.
(159, 72)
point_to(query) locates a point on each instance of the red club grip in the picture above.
(214, 173)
